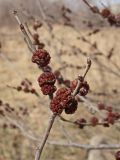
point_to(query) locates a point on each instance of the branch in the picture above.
(44, 18)
(42, 144)
(94, 9)
(83, 77)
(87, 146)
(63, 144)
(26, 36)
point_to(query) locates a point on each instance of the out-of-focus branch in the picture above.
(91, 107)
(26, 36)
(44, 18)
(64, 144)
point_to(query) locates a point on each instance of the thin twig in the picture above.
(15, 88)
(44, 18)
(30, 33)
(65, 120)
(26, 36)
(66, 133)
(83, 77)
(87, 146)
(64, 144)
(87, 67)
(42, 144)
(92, 8)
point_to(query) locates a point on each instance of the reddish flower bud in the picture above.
(81, 122)
(63, 92)
(117, 155)
(1, 102)
(73, 84)
(105, 12)
(108, 108)
(46, 78)
(85, 85)
(59, 77)
(70, 105)
(41, 57)
(56, 106)
(94, 121)
(41, 45)
(5, 125)
(57, 73)
(26, 90)
(35, 36)
(111, 114)
(111, 120)
(112, 19)
(2, 113)
(37, 24)
(36, 42)
(19, 88)
(84, 88)
(101, 106)
(106, 124)
(23, 83)
(67, 82)
(117, 116)
(33, 91)
(48, 89)
(83, 92)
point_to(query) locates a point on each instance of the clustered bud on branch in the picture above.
(105, 13)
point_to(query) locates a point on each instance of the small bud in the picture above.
(26, 90)
(81, 122)
(117, 155)
(101, 106)
(94, 121)
(89, 62)
(108, 108)
(37, 24)
(1, 102)
(19, 88)
(35, 36)
(105, 12)
(33, 91)
(67, 82)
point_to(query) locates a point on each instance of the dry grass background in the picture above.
(13, 145)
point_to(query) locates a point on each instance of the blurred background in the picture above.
(71, 33)
(50, 7)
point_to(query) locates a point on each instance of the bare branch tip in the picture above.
(89, 62)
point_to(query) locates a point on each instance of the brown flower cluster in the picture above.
(41, 57)
(46, 81)
(84, 87)
(63, 101)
